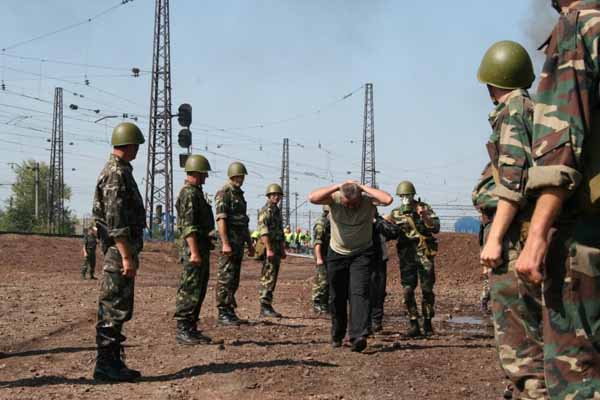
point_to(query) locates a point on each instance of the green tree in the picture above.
(19, 214)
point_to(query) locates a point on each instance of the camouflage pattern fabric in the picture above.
(483, 198)
(322, 235)
(516, 306)
(566, 139)
(270, 224)
(194, 217)
(485, 201)
(119, 212)
(416, 256)
(89, 264)
(230, 205)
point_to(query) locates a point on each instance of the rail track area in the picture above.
(47, 347)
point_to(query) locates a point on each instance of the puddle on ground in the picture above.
(466, 320)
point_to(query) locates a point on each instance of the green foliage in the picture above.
(19, 214)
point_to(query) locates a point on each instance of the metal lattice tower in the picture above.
(285, 182)
(56, 184)
(159, 171)
(367, 174)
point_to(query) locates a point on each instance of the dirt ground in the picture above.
(47, 348)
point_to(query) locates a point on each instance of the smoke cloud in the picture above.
(537, 26)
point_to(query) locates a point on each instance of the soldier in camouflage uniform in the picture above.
(232, 223)
(507, 71)
(322, 235)
(89, 252)
(120, 219)
(485, 202)
(419, 223)
(195, 221)
(565, 226)
(270, 228)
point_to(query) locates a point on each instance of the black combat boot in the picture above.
(427, 327)
(120, 362)
(107, 368)
(359, 344)
(227, 317)
(414, 330)
(200, 336)
(267, 310)
(185, 334)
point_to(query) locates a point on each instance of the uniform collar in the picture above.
(233, 188)
(504, 100)
(199, 187)
(120, 161)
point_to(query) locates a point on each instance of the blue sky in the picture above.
(247, 63)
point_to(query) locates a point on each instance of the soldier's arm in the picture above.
(222, 203)
(186, 211)
(562, 116)
(431, 220)
(264, 220)
(319, 232)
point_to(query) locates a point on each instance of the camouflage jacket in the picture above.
(230, 205)
(194, 215)
(322, 233)
(509, 146)
(484, 200)
(118, 207)
(89, 242)
(413, 225)
(567, 112)
(270, 223)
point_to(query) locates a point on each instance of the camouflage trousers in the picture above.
(268, 278)
(192, 288)
(517, 318)
(89, 263)
(228, 277)
(415, 266)
(571, 293)
(115, 305)
(320, 289)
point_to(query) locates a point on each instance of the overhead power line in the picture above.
(66, 28)
(72, 63)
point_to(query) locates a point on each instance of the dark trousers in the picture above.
(349, 281)
(378, 284)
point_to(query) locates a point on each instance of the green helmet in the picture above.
(236, 169)
(274, 188)
(405, 188)
(197, 163)
(506, 65)
(126, 133)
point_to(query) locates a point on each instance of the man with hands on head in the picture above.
(352, 208)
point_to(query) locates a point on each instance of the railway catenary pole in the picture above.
(159, 170)
(285, 182)
(367, 174)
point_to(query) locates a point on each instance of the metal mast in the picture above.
(285, 182)
(159, 171)
(367, 175)
(56, 184)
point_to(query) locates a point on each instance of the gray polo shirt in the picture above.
(351, 228)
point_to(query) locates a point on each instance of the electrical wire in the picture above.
(71, 63)
(66, 28)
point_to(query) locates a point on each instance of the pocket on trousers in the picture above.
(585, 259)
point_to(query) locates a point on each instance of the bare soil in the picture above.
(47, 346)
